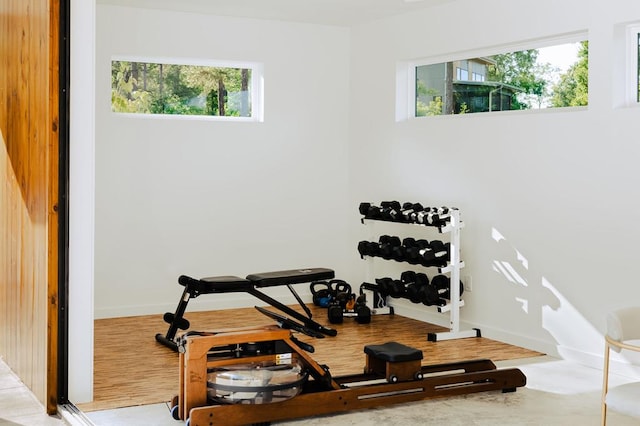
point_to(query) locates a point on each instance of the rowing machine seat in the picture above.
(393, 352)
(395, 361)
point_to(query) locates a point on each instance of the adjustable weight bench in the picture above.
(251, 284)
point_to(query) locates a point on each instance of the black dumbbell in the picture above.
(363, 248)
(431, 216)
(385, 285)
(387, 243)
(370, 211)
(363, 313)
(373, 249)
(437, 254)
(409, 242)
(422, 282)
(438, 250)
(408, 211)
(363, 208)
(390, 210)
(408, 277)
(414, 283)
(429, 296)
(442, 285)
(397, 288)
(438, 216)
(420, 216)
(412, 252)
(369, 248)
(399, 253)
(335, 313)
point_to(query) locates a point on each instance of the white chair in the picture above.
(623, 325)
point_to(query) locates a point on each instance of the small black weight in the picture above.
(363, 208)
(363, 313)
(415, 284)
(442, 285)
(339, 286)
(335, 313)
(387, 244)
(321, 293)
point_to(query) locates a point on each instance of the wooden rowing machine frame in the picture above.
(322, 394)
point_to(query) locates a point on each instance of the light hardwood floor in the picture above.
(131, 368)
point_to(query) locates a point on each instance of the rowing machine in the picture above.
(392, 375)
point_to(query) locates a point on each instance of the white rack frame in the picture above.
(455, 264)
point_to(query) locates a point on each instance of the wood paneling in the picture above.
(29, 192)
(131, 368)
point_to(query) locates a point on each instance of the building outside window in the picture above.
(525, 79)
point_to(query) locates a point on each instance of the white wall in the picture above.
(207, 198)
(81, 201)
(211, 198)
(559, 186)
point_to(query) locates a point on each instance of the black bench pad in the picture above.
(393, 352)
(292, 276)
(221, 284)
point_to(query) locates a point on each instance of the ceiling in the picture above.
(328, 12)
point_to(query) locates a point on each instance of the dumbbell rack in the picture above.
(455, 263)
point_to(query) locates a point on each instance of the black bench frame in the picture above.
(231, 284)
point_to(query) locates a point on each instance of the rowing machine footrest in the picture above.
(395, 361)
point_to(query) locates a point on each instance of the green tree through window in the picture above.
(573, 87)
(156, 88)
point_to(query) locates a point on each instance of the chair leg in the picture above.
(605, 384)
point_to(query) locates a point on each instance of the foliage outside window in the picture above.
(511, 81)
(160, 88)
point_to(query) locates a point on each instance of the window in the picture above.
(462, 74)
(633, 64)
(548, 77)
(153, 87)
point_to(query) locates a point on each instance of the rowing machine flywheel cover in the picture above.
(256, 383)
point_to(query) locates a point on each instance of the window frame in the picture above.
(632, 86)
(256, 86)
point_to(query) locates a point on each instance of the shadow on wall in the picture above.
(543, 303)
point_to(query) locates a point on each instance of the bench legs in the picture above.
(176, 321)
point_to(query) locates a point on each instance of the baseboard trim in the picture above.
(594, 360)
(229, 301)
(431, 315)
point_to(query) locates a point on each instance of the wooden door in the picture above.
(29, 192)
